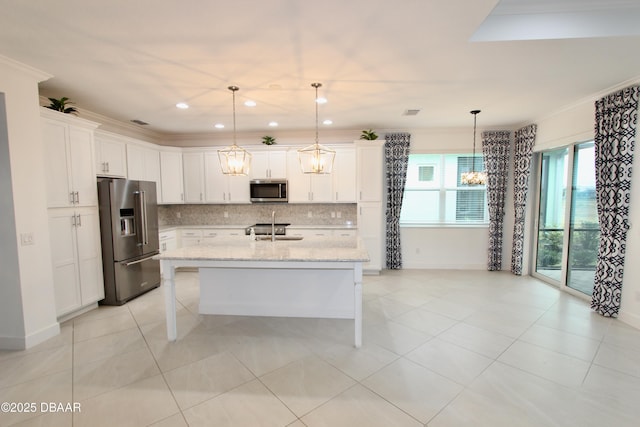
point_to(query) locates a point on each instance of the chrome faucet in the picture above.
(273, 226)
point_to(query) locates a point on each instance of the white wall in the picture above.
(27, 311)
(576, 124)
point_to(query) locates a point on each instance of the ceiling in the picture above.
(516, 60)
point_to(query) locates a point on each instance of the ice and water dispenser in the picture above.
(127, 222)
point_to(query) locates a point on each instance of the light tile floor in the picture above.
(440, 348)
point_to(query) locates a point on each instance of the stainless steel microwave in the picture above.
(268, 190)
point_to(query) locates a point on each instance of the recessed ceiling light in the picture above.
(250, 103)
(182, 105)
(327, 122)
(219, 126)
(273, 124)
(321, 100)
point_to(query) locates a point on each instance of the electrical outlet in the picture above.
(309, 214)
(225, 214)
(26, 239)
(178, 214)
(333, 214)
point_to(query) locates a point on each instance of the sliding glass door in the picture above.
(583, 229)
(551, 214)
(567, 233)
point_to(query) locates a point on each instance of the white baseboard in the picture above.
(630, 319)
(23, 343)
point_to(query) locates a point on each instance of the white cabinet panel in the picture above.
(69, 151)
(193, 167)
(111, 155)
(344, 176)
(171, 177)
(77, 258)
(269, 164)
(143, 163)
(370, 178)
(307, 188)
(221, 188)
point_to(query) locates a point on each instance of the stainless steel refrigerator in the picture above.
(129, 231)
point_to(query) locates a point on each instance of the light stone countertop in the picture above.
(236, 227)
(323, 249)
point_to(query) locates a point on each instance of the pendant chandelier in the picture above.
(316, 158)
(474, 177)
(234, 160)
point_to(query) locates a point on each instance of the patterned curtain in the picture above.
(495, 148)
(396, 153)
(615, 134)
(524, 140)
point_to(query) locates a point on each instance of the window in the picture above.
(433, 193)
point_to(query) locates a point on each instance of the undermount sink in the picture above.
(279, 237)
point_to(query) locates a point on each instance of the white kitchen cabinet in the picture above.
(168, 240)
(307, 188)
(69, 160)
(77, 258)
(370, 190)
(221, 188)
(193, 167)
(171, 177)
(269, 163)
(190, 237)
(143, 164)
(344, 176)
(370, 172)
(111, 155)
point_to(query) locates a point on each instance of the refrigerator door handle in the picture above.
(141, 218)
(127, 264)
(145, 222)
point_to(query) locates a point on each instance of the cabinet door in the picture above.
(371, 231)
(370, 172)
(171, 177)
(259, 164)
(269, 164)
(321, 188)
(344, 176)
(216, 183)
(83, 175)
(193, 167)
(238, 189)
(89, 256)
(57, 163)
(63, 256)
(135, 162)
(111, 157)
(299, 186)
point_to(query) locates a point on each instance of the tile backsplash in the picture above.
(247, 214)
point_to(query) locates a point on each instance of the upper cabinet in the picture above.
(69, 150)
(370, 177)
(193, 167)
(171, 177)
(111, 155)
(270, 163)
(307, 188)
(143, 163)
(221, 188)
(344, 176)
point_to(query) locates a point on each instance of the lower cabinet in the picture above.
(168, 240)
(370, 228)
(77, 258)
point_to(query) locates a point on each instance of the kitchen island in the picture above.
(316, 277)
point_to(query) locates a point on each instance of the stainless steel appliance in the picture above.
(268, 190)
(129, 230)
(264, 229)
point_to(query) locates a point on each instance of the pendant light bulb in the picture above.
(316, 159)
(474, 177)
(234, 160)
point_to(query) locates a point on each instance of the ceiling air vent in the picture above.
(139, 122)
(410, 112)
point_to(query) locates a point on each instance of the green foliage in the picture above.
(62, 105)
(268, 140)
(369, 135)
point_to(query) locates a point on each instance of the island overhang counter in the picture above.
(318, 277)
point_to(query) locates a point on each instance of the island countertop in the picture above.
(316, 249)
